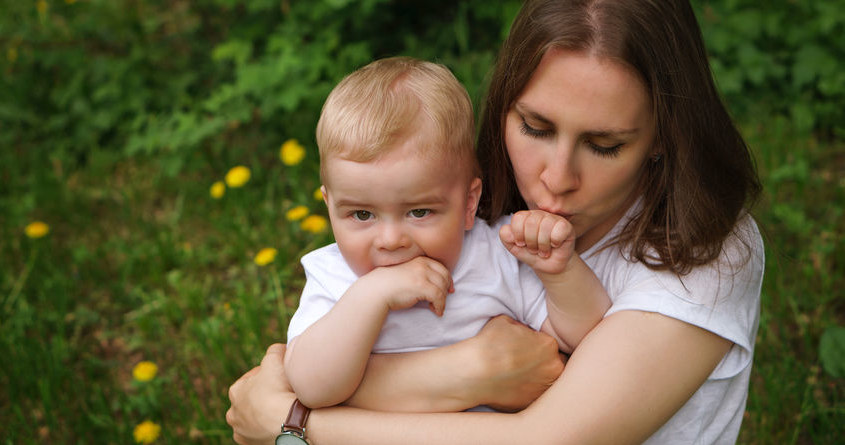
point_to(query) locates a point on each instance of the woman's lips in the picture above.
(562, 213)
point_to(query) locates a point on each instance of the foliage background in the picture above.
(116, 116)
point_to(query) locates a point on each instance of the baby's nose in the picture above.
(392, 237)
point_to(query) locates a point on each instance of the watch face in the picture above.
(290, 439)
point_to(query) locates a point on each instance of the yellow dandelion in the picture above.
(36, 229)
(291, 152)
(218, 189)
(237, 176)
(12, 54)
(265, 256)
(314, 224)
(144, 371)
(41, 6)
(296, 213)
(147, 432)
(318, 194)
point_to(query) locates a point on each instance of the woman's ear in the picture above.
(473, 195)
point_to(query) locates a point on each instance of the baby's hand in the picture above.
(404, 285)
(540, 239)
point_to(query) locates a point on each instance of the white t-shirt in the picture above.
(723, 298)
(488, 281)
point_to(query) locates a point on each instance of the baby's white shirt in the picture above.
(488, 280)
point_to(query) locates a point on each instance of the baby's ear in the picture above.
(473, 195)
(325, 195)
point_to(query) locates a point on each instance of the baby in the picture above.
(412, 268)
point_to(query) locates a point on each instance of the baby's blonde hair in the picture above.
(379, 106)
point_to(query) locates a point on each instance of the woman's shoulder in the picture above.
(722, 296)
(739, 265)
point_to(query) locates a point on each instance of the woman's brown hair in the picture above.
(704, 177)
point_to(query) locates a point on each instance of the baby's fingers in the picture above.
(440, 276)
(561, 230)
(553, 232)
(437, 304)
(507, 236)
(517, 228)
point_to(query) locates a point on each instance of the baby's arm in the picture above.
(326, 362)
(575, 297)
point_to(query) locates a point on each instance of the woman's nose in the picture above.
(560, 174)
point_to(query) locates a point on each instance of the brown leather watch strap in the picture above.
(297, 416)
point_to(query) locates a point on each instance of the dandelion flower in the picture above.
(218, 189)
(296, 213)
(265, 256)
(145, 371)
(36, 229)
(291, 152)
(237, 176)
(314, 224)
(318, 194)
(147, 432)
(41, 6)
(12, 54)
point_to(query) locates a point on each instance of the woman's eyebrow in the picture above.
(523, 110)
(613, 132)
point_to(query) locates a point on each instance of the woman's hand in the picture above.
(516, 364)
(260, 400)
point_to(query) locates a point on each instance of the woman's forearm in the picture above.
(437, 380)
(506, 366)
(352, 426)
(630, 375)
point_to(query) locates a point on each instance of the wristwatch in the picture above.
(293, 430)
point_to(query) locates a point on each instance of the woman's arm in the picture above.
(506, 366)
(628, 376)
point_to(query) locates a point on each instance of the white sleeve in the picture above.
(327, 278)
(723, 297)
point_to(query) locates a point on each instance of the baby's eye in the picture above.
(420, 213)
(362, 215)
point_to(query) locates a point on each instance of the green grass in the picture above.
(140, 265)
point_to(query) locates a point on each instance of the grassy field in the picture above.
(117, 117)
(138, 266)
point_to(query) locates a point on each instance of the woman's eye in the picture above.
(362, 215)
(533, 132)
(420, 213)
(605, 151)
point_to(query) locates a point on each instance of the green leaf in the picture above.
(237, 50)
(832, 351)
(803, 116)
(811, 61)
(792, 217)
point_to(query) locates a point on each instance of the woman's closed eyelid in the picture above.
(609, 151)
(529, 130)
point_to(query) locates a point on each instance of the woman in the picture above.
(604, 112)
